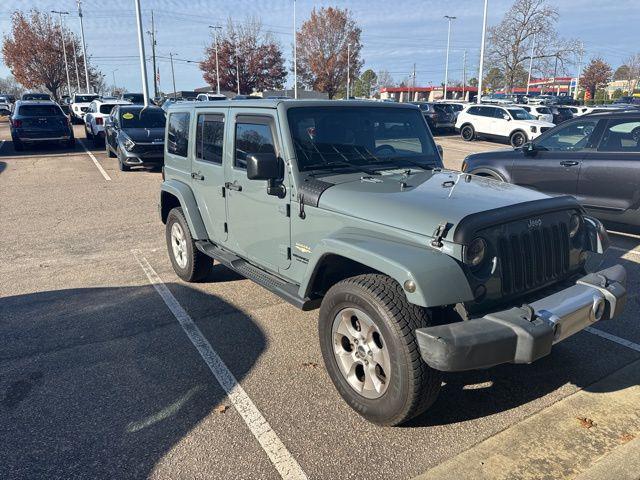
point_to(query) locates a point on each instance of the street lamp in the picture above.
(143, 64)
(484, 33)
(446, 65)
(295, 54)
(215, 35)
(348, 68)
(64, 49)
(84, 48)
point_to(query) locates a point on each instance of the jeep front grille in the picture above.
(533, 258)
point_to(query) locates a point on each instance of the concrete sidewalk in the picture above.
(592, 434)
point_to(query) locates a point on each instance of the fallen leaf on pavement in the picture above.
(626, 437)
(310, 364)
(586, 422)
(221, 409)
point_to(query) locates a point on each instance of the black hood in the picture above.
(145, 135)
(502, 154)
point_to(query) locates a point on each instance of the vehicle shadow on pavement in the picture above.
(3, 165)
(103, 382)
(39, 149)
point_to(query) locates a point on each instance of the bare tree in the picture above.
(633, 72)
(511, 40)
(385, 79)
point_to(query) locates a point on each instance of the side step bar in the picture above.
(285, 290)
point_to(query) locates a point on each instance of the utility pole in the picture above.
(215, 36)
(414, 80)
(575, 93)
(64, 50)
(173, 74)
(484, 34)
(152, 33)
(75, 60)
(348, 68)
(237, 67)
(295, 54)
(446, 65)
(533, 44)
(84, 47)
(113, 73)
(143, 63)
(464, 75)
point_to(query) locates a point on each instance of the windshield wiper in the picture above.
(338, 163)
(423, 166)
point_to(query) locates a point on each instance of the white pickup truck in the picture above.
(80, 104)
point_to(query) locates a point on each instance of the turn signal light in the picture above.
(17, 123)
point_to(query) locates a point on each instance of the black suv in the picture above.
(595, 158)
(135, 134)
(439, 116)
(39, 121)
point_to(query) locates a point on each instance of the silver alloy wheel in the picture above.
(361, 353)
(178, 245)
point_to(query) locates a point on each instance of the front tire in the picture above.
(189, 263)
(121, 165)
(110, 154)
(517, 139)
(468, 133)
(366, 329)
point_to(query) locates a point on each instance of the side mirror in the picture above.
(440, 150)
(506, 117)
(528, 149)
(266, 166)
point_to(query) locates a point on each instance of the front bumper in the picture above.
(136, 158)
(524, 334)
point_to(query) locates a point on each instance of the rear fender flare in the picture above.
(184, 194)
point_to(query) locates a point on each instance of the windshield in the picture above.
(374, 137)
(40, 111)
(140, 118)
(520, 114)
(444, 107)
(133, 97)
(84, 98)
(36, 96)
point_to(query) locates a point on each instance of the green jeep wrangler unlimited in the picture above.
(345, 206)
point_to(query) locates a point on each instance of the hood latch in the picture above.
(440, 233)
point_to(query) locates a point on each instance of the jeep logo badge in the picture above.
(535, 223)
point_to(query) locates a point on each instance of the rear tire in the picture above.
(88, 133)
(18, 146)
(107, 148)
(382, 325)
(189, 263)
(468, 133)
(70, 143)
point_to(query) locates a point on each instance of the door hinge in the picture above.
(223, 192)
(226, 228)
(285, 251)
(285, 210)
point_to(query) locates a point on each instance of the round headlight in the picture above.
(475, 252)
(574, 225)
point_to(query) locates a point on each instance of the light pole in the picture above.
(113, 73)
(533, 44)
(173, 73)
(64, 50)
(75, 60)
(215, 36)
(295, 54)
(143, 64)
(84, 47)
(464, 75)
(237, 67)
(348, 68)
(484, 33)
(446, 65)
(152, 34)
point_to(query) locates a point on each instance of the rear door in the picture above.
(499, 123)
(208, 170)
(610, 175)
(554, 165)
(258, 223)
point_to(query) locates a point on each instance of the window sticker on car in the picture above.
(127, 116)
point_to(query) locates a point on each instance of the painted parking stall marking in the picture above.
(280, 457)
(95, 161)
(614, 338)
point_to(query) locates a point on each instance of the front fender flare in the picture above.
(187, 200)
(439, 279)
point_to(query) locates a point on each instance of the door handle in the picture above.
(569, 163)
(197, 176)
(233, 186)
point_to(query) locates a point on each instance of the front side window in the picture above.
(369, 137)
(621, 136)
(252, 138)
(573, 137)
(210, 138)
(178, 134)
(106, 108)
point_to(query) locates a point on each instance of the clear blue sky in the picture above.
(395, 33)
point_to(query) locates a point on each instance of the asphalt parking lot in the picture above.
(99, 379)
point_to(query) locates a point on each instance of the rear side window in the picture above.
(252, 138)
(210, 138)
(474, 111)
(178, 134)
(621, 136)
(106, 108)
(39, 111)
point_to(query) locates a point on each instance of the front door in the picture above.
(258, 223)
(554, 164)
(207, 171)
(610, 175)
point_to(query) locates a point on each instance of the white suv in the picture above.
(541, 112)
(95, 116)
(500, 123)
(79, 105)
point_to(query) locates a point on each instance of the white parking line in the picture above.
(98, 166)
(618, 249)
(282, 460)
(614, 338)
